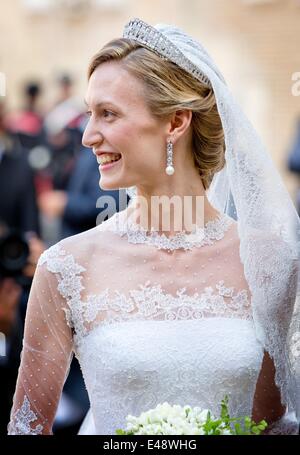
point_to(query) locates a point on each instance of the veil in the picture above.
(250, 190)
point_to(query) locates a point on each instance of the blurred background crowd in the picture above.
(49, 182)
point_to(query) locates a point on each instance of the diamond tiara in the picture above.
(152, 38)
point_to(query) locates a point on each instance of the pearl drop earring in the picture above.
(170, 168)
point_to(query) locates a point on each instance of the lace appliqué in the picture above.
(69, 281)
(22, 419)
(150, 302)
(146, 302)
(213, 230)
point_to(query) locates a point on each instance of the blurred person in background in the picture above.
(18, 208)
(65, 86)
(27, 126)
(63, 142)
(27, 123)
(63, 136)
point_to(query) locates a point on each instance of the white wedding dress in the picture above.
(150, 318)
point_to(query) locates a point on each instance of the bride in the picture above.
(185, 304)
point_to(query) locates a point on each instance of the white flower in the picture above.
(202, 415)
(166, 419)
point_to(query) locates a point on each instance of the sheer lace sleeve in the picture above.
(46, 356)
(274, 286)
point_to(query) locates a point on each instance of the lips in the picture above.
(98, 153)
(107, 165)
(105, 158)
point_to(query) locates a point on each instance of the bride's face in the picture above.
(121, 123)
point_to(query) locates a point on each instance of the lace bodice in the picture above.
(194, 361)
(146, 286)
(150, 319)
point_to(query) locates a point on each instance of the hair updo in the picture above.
(169, 88)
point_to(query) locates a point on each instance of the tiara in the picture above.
(152, 38)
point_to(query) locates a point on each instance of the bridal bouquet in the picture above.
(177, 420)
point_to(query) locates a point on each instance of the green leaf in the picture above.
(224, 408)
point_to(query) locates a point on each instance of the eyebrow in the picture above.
(100, 103)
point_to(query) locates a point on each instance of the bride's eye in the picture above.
(107, 113)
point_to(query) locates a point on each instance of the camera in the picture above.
(14, 253)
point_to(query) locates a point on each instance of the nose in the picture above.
(91, 136)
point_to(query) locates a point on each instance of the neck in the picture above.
(172, 212)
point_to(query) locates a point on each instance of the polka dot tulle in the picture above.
(149, 319)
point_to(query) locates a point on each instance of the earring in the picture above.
(170, 168)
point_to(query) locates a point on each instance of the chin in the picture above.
(113, 184)
(109, 184)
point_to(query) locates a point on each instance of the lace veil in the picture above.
(249, 189)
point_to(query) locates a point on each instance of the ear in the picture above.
(179, 123)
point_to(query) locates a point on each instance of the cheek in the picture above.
(121, 132)
(136, 138)
(141, 126)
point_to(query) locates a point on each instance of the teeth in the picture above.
(104, 159)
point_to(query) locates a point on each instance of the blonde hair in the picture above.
(169, 88)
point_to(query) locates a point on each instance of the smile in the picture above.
(107, 164)
(108, 157)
